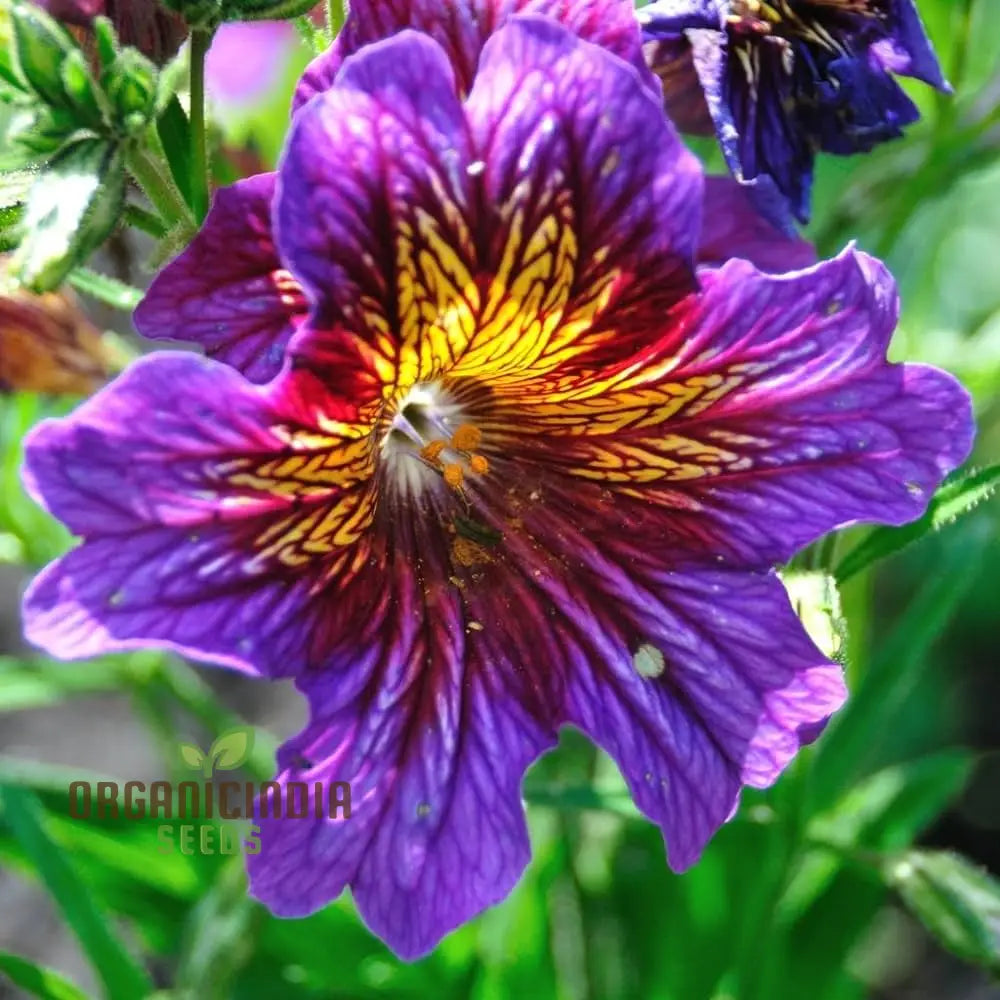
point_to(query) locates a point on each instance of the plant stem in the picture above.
(154, 178)
(335, 17)
(315, 37)
(105, 289)
(200, 41)
(144, 221)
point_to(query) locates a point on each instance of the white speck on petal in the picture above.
(648, 661)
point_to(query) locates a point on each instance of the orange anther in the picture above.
(479, 465)
(432, 451)
(467, 438)
(453, 475)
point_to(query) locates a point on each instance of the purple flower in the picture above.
(462, 28)
(520, 469)
(780, 80)
(230, 291)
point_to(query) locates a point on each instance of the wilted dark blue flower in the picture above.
(783, 79)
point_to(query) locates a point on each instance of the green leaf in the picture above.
(573, 797)
(220, 936)
(859, 734)
(40, 683)
(957, 902)
(38, 981)
(14, 188)
(960, 493)
(121, 976)
(105, 289)
(192, 755)
(174, 131)
(72, 207)
(39, 132)
(231, 749)
(10, 227)
(40, 46)
(886, 811)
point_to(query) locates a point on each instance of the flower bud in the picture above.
(48, 345)
(132, 87)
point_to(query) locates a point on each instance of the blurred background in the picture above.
(810, 892)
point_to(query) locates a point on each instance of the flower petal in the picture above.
(765, 418)
(673, 65)
(372, 213)
(696, 676)
(908, 50)
(733, 679)
(229, 291)
(732, 226)
(541, 233)
(815, 79)
(433, 725)
(213, 516)
(459, 678)
(593, 214)
(462, 27)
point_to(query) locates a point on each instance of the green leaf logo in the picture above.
(230, 750)
(227, 753)
(192, 756)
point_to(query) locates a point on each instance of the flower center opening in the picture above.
(429, 439)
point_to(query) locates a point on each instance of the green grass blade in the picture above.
(859, 733)
(123, 978)
(36, 980)
(959, 495)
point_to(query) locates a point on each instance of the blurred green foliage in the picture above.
(786, 901)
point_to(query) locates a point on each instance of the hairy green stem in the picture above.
(200, 42)
(106, 289)
(335, 17)
(153, 176)
(146, 222)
